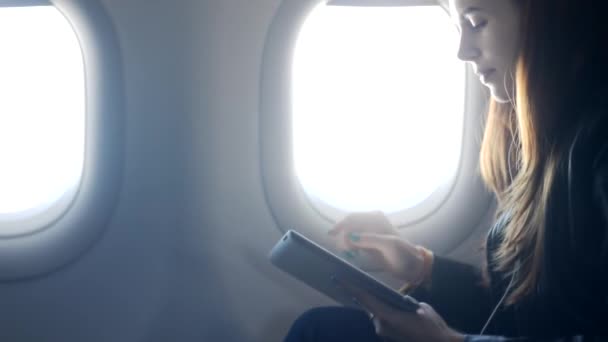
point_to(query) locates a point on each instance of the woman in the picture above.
(545, 156)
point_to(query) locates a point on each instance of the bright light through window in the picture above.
(378, 105)
(41, 109)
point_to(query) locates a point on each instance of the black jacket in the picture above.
(571, 300)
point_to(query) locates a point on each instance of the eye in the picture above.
(476, 24)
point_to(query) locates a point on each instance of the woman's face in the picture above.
(489, 40)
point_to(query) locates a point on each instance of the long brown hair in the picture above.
(561, 60)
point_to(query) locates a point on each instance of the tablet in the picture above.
(317, 267)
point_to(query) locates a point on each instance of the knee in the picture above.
(305, 326)
(330, 324)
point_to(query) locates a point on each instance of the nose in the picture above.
(467, 49)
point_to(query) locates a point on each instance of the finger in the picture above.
(381, 243)
(370, 260)
(424, 307)
(426, 310)
(371, 241)
(341, 225)
(357, 221)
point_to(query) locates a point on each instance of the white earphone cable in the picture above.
(498, 305)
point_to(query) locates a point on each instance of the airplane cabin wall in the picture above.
(184, 256)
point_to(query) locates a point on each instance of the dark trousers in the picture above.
(333, 324)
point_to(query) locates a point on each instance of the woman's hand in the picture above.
(424, 325)
(372, 232)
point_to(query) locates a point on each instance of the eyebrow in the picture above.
(471, 9)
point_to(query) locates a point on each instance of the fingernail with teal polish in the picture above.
(349, 255)
(354, 237)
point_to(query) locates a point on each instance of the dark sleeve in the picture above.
(458, 294)
(601, 198)
(600, 201)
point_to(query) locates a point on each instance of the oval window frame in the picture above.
(67, 236)
(292, 208)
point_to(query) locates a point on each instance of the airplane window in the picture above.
(378, 106)
(42, 111)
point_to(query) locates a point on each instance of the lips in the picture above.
(485, 74)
